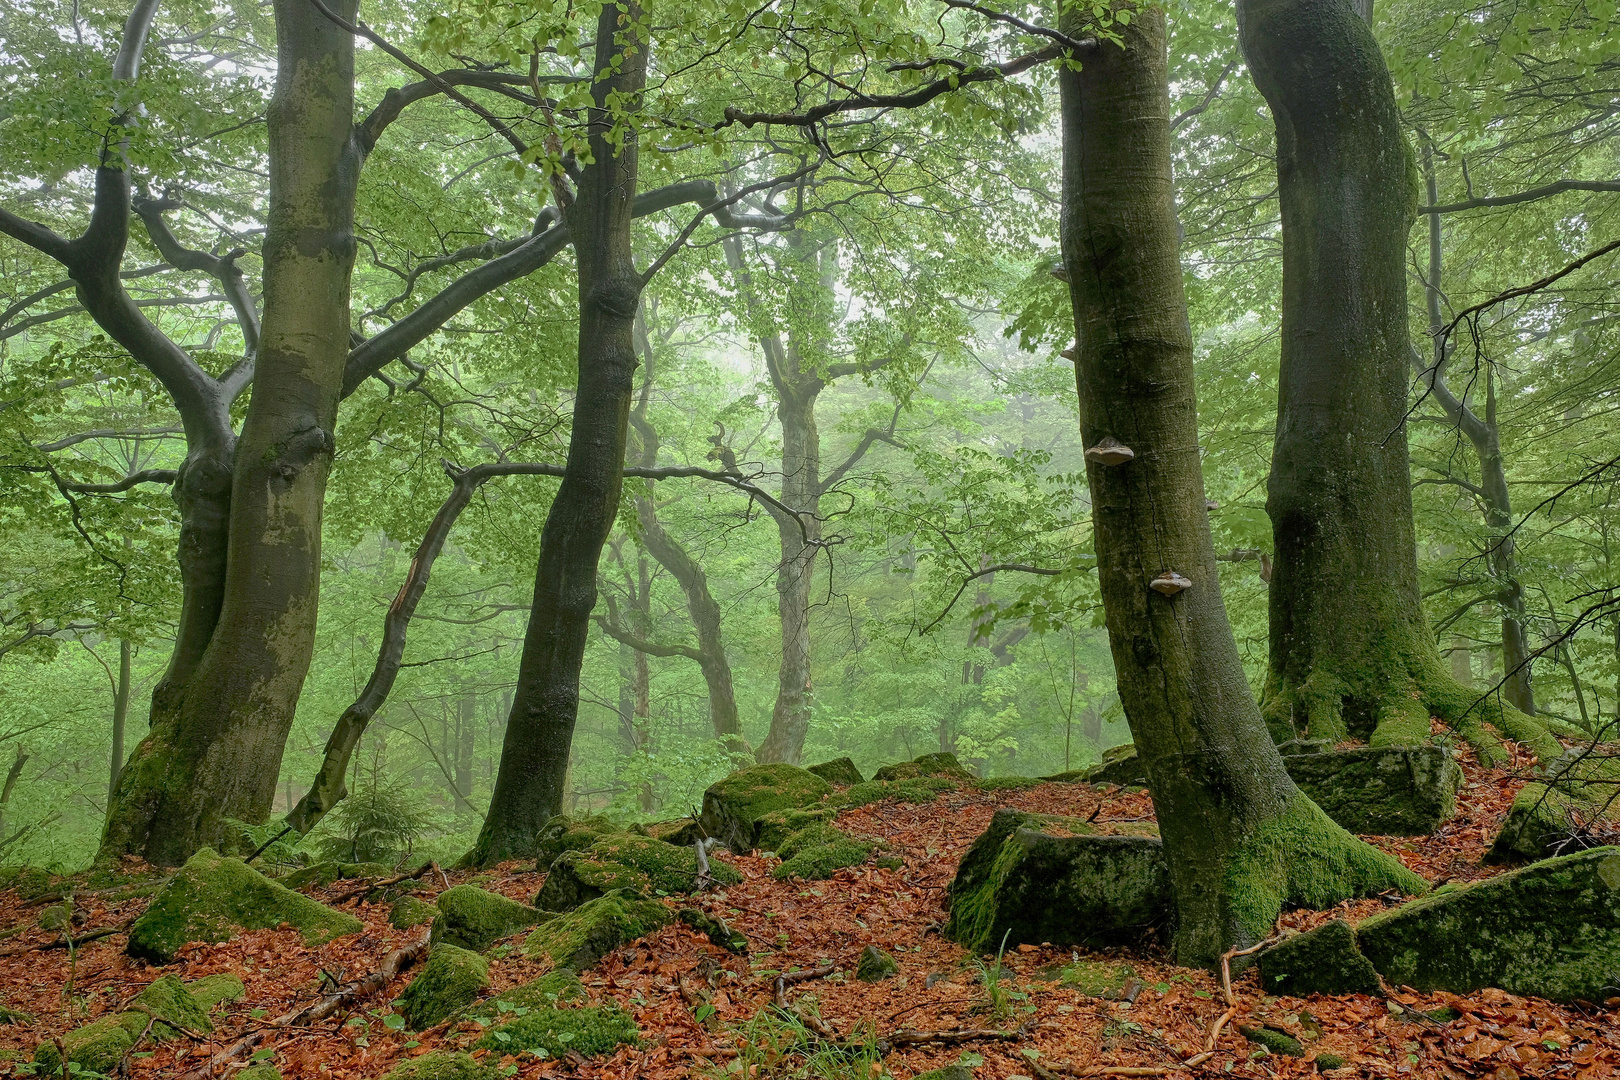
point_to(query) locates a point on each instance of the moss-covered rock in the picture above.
(450, 980)
(715, 929)
(591, 931)
(211, 897)
(10, 1016)
(682, 832)
(95, 1047)
(939, 764)
(625, 861)
(1007, 783)
(548, 991)
(320, 875)
(54, 917)
(211, 991)
(1327, 1062)
(774, 828)
(875, 965)
(409, 911)
(473, 918)
(441, 1065)
(1578, 791)
(1386, 791)
(1023, 885)
(168, 999)
(563, 833)
(1098, 979)
(814, 835)
(1551, 929)
(552, 1032)
(262, 1071)
(1321, 961)
(1120, 765)
(840, 771)
(821, 861)
(733, 806)
(1276, 1042)
(921, 789)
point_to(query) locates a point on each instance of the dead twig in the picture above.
(1231, 1001)
(412, 875)
(66, 941)
(394, 963)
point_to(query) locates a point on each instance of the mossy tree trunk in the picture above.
(530, 784)
(215, 746)
(1351, 651)
(1239, 837)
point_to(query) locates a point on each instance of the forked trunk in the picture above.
(1239, 837)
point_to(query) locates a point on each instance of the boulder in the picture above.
(591, 931)
(211, 897)
(1550, 930)
(553, 988)
(450, 980)
(774, 828)
(409, 911)
(1579, 791)
(1120, 765)
(715, 929)
(682, 832)
(472, 918)
(98, 1047)
(1384, 791)
(1020, 884)
(733, 806)
(320, 875)
(624, 861)
(212, 990)
(1276, 1042)
(840, 771)
(442, 1065)
(95, 1048)
(819, 852)
(875, 965)
(940, 764)
(552, 1032)
(919, 789)
(1320, 961)
(563, 833)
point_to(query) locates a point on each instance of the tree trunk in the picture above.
(466, 714)
(1240, 838)
(1351, 651)
(1485, 436)
(216, 752)
(539, 733)
(119, 718)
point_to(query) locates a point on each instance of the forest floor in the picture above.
(1046, 1028)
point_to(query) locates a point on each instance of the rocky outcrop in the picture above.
(591, 931)
(840, 771)
(627, 861)
(451, 980)
(472, 918)
(940, 764)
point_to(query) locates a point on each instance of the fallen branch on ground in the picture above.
(66, 941)
(385, 882)
(394, 963)
(1231, 1002)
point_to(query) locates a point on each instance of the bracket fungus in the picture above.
(1110, 451)
(1061, 272)
(1169, 583)
(1072, 353)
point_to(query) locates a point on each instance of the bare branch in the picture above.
(1546, 191)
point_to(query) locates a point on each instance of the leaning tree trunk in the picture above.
(216, 752)
(539, 733)
(1351, 651)
(1240, 838)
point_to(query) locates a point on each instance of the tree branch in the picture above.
(651, 648)
(221, 268)
(1546, 191)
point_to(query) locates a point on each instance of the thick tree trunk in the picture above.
(216, 752)
(539, 733)
(1240, 839)
(1351, 651)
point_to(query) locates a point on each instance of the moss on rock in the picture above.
(214, 990)
(563, 833)
(450, 980)
(472, 918)
(552, 1032)
(1098, 979)
(625, 861)
(1548, 930)
(774, 828)
(168, 999)
(733, 806)
(1007, 783)
(938, 764)
(1578, 792)
(1321, 961)
(921, 789)
(1027, 886)
(211, 897)
(814, 835)
(262, 1071)
(715, 929)
(1390, 791)
(95, 1047)
(409, 911)
(440, 1065)
(1276, 1042)
(840, 771)
(320, 875)
(682, 832)
(589, 932)
(821, 861)
(548, 991)
(875, 965)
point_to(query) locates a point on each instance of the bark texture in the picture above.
(539, 733)
(1352, 653)
(1240, 838)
